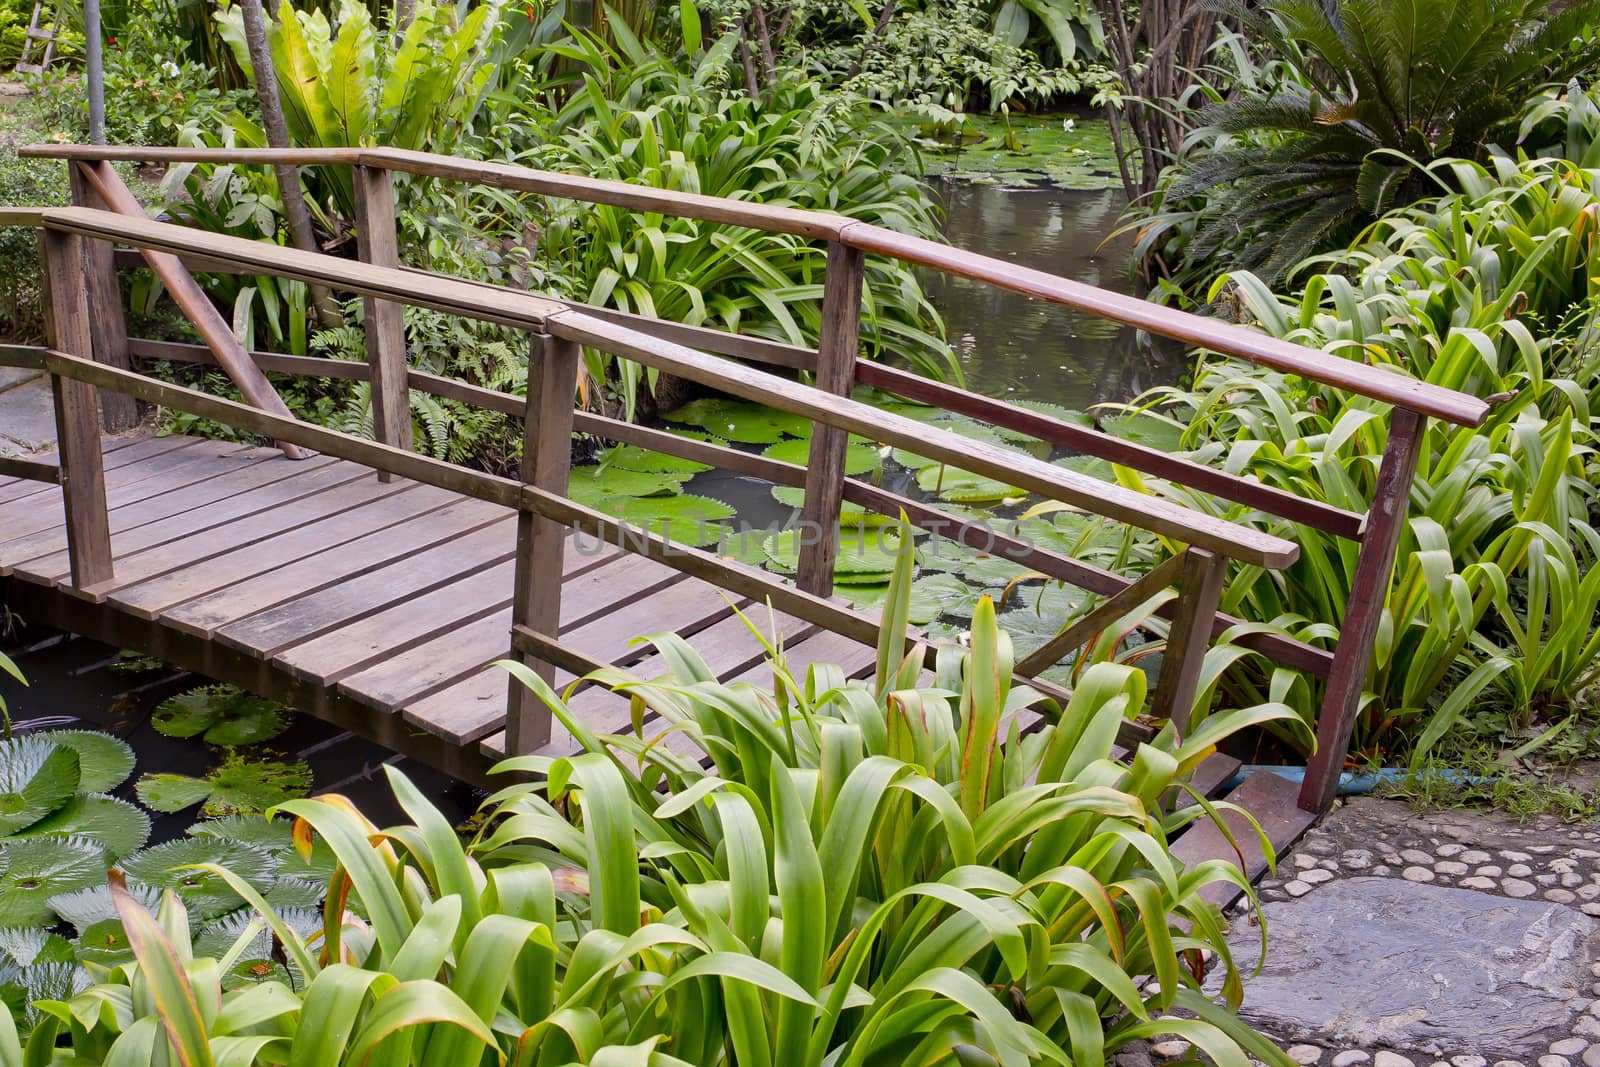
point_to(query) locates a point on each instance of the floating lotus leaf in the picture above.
(793, 496)
(1145, 428)
(168, 866)
(84, 908)
(118, 827)
(36, 778)
(860, 455)
(273, 835)
(1093, 466)
(964, 487)
(132, 662)
(222, 715)
(104, 943)
(104, 760)
(23, 946)
(590, 486)
(687, 519)
(746, 546)
(866, 556)
(290, 892)
(32, 870)
(238, 785)
(738, 420)
(634, 458)
(977, 431)
(990, 572)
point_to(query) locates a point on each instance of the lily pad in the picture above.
(23, 946)
(222, 715)
(104, 943)
(117, 826)
(687, 519)
(1143, 428)
(169, 866)
(84, 908)
(739, 420)
(296, 893)
(275, 836)
(969, 428)
(590, 486)
(793, 496)
(104, 760)
(32, 870)
(964, 487)
(643, 460)
(237, 785)
(36, 778)
(865, 556)
(859, 456)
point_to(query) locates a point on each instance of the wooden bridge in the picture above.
(369, 584)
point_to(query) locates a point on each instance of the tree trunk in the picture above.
(404, 12)
(295, 212)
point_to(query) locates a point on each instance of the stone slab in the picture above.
(27, 418)
(1395, 964)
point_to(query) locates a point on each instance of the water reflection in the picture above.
(1016, 347)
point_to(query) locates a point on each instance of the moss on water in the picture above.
(1067, 151)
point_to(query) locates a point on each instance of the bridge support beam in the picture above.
(546, 464)
(384, 320)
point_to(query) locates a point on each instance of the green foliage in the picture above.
(52, 788)
(222, 715)
(1369, 93)
(645, 118)
(239, 784)
(1492, 609)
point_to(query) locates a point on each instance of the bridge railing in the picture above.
(1202, 544)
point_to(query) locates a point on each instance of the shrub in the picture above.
(1346, 135)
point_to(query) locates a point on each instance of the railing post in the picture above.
(546, 462)
(83, 486)
(1199, 592)
(118, 411)
(1368, 594)
(836, 373)
(376, 242)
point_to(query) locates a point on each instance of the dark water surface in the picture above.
(1017, 347)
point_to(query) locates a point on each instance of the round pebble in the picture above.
(1416, 855)
(1508, 1063)
(1380, 870)
(1170, 1050)
(1489, 870)
(1553, 1061)
(1452, 849)
(1591, 908)
(1569, 1046)
(1357, 859)
(1452, 867)
(1317, 876)
(1587, 891)
(1560, 896)
(1591, 1055)
(1519, 870)
(1516, 887)
(1478, 883)
(1469, 1061)
(1303, 860)
(1304, 1055)
(1515, 857)
(1390, 1059)
(1297, 888)
(1422, 874)
(1473, 855)
(1350, 1057)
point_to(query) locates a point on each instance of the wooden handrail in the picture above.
(1209, 333)
(540, 314)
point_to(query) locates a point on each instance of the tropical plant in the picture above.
(1492, 291)
(954, 880)
(1376, 92)
(645, 118)
(55, 786)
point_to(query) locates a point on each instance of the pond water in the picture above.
(1015, 347)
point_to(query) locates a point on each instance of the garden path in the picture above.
(1453, 939)
(27, 413)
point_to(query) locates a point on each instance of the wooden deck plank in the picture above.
(475, 705)
(271, 539)
(135, 561)
(17, 488)
(129, 520)
(136, 481)
(357, 578)
(378, 638)
(420, 671)
(1274, 801)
